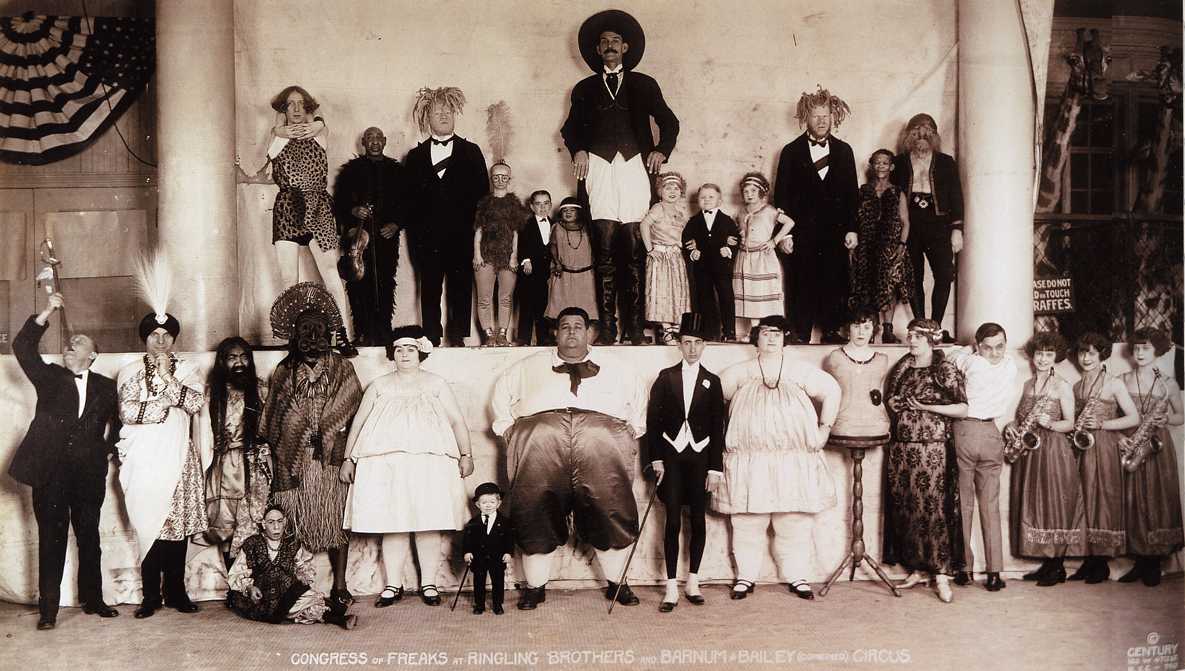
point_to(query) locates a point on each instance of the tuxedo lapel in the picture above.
(92, 390)
(676, 381)
(698, 391)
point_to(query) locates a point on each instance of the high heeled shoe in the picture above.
(912, 580)
(942, 587)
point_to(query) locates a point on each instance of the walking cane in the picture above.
(633, 548)
(459, 588)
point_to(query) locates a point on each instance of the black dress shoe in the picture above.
(498, 609)
(746, 589)
(1100, 572)
(478, 610)
(1136, 572)
(384, 601)
(532, 597)
(802, 590)
(994, 582)
(1084, 569)
(1046, 567)
(697, 599)
(625, 595)
(147, 609)
(45, 623)
(432, 599)
(666, 606)
(1053, 577)
(183, 606)
(963, 578)
(1151, 577)
(101, 609)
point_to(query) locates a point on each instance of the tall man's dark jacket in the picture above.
(57, 436)
(645, 101)
(441, 208)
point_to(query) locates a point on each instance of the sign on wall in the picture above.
(1053, 295)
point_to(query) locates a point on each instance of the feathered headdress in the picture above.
(449, 96)
(821, 98)
(154, 284)
(297, 299)
(498, 130)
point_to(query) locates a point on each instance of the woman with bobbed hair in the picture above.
(1046, 506)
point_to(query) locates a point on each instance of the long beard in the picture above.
(238, 378)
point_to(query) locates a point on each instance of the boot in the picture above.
(1056, 573)
(1100, 572)
(1136, 572)
(344, 346)
(1152, 571)
(1047, 565)
(500, 338)
(1085, 569)
(887, 337)
(487, 338)
(343, 620)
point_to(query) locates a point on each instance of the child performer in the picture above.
(685, 436)
(495, 247)
(1152, 493)
(272, 578)
(488, 541)
(1098, 397)
(757, 276)
(1046, 498)
(881, 274)
(667, 293)
(572, 281)
(710, 242)
(534, 263)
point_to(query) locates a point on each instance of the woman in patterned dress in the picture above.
(303, 212)
(1046, 505)
(880, 273)
(757, 274)
(1152, 492)
(1098, 399)
(923, 527)
(668, 294)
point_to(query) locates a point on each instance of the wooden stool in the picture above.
(856, 447)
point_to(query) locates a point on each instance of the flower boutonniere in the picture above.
(707, 383)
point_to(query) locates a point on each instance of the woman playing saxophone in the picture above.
(1151, 491)
(1112, 409)
(1046, 505)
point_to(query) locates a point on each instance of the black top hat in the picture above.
(486, 488)
(692, 324)
(619, 22)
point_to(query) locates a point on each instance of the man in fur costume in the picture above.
(368, 195)
(608, 134)
(446, 176)
(816, 186)
(312, 397)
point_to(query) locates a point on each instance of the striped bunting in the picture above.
(63, 80)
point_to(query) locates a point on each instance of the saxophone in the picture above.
(1080, 437)
(1025, 438)
(1143, 441)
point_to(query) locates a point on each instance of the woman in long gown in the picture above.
(923, 528)
(408, 451)
(1151, 490)
(757, 274)
(1046, 506)
(774, 470)
(881, 275)
(1098, 398)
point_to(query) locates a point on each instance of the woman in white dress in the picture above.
(406, 456)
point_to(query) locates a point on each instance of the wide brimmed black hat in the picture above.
(691, 324)
(619, 22)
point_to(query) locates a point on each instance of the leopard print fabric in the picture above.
(302, 207)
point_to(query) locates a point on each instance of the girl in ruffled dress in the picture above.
(668, 294)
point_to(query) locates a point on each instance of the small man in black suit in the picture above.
(64, 459)
(533, 268)
(487, 543)
(710, 242)
(685, 440)
(446, 176)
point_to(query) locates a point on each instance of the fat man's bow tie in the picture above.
(577, 372)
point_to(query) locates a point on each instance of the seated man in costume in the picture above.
(272, 580)
(313, 395)
(571, 418)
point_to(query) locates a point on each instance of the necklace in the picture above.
(568, 237)
(871, 356)
(778, 379)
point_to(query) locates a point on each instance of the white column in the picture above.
(996, 158)
(197, 216)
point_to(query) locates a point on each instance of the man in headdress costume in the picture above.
(312, 396)
(571, 417)
(608, 134)
(239, 478)
(816, 186)
(368, 195)
(446, 176)
(161, 469)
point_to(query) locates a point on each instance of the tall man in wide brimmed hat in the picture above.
(608, 134)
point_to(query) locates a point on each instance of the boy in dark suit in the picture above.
(534, 266)
(685, 440)
(64, 459)
(710, 242)
(487, 543)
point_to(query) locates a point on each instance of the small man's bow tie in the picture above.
(577, 372)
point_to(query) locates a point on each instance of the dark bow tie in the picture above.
(708, 213)
(612, 79)
(443, 143)
(78, 376)
(577, 372)
(818, 143)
